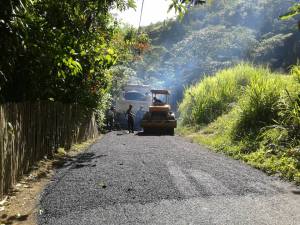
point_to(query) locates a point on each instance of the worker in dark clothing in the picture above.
(130, 118)
(157, 101)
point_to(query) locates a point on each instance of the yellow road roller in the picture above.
(159, 119)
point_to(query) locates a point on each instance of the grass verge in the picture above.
(217, 136)
(248, 113)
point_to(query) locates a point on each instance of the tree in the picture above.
(181, 6)
(293, 11)
(57, 49)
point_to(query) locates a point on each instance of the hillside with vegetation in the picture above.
(215, 36)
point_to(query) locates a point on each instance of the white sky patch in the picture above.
(154, 11)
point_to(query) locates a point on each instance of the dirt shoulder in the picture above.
(21, 205)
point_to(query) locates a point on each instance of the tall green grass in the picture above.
(216, 95)
(258, 106)
(249, 113)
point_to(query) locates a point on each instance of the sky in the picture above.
(154, 11)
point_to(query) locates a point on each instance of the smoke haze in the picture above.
(217, 36)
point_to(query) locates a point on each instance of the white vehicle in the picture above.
(139, 96)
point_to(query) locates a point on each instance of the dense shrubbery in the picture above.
(64, 50)
(218, 94)
(259, 104)
(249, 113)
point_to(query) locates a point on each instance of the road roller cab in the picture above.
(159, 118)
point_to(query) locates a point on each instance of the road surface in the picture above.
(131, 179)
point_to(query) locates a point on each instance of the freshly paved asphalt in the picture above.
(131, 179)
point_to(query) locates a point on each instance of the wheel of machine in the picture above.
(147, 131)
(171, 131)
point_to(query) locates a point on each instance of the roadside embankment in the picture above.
(249, 113)
(31, 131)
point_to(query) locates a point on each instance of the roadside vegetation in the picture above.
(65, 51)
(249, 113)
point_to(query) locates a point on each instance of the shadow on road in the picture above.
(86, 159)
(296, 192)
(141, 133)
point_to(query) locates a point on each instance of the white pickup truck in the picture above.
(139, 96)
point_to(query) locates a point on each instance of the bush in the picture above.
(216, 95)
(259, 105)
(289, 114)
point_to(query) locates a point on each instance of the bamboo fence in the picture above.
(31, 131)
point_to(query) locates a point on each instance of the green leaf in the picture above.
(293, 11)
(72, 52)
(131, 4)
(61, 73)
(110, 51)
(108, 59)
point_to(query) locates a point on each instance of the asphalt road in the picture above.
(131, 179)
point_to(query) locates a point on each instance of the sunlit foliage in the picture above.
(57, 49)
(293, 11)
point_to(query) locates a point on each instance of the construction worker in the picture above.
(157, 101)
(130, 119)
